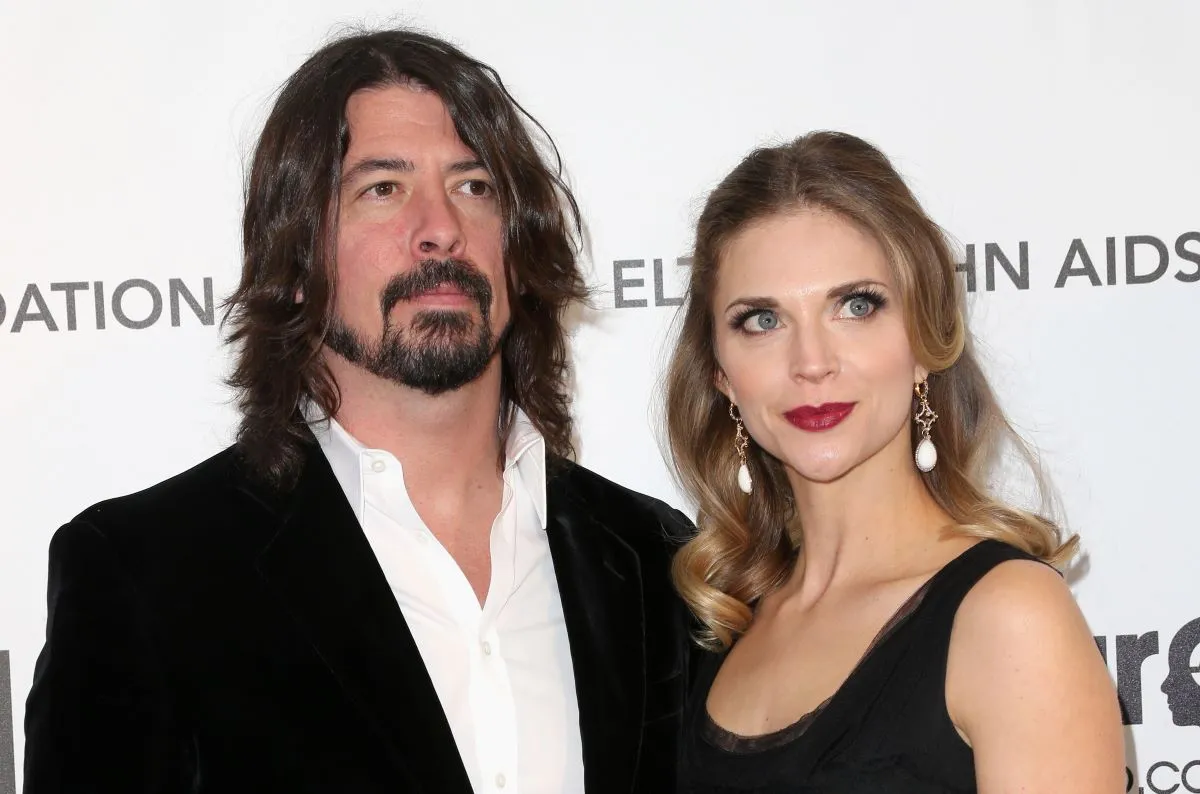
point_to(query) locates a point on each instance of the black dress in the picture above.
(885, 731)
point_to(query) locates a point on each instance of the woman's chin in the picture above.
(823, 470)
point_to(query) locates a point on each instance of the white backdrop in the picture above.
(1023, 125)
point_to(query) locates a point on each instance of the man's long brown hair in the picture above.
(289, 228)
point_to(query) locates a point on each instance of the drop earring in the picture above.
(740, 442)
(926, 453)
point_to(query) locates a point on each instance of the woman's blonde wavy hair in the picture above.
(746, 545)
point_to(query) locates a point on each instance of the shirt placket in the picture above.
(491, 687)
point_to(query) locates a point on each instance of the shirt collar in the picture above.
(524, 451)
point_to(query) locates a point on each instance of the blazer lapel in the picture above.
(323, 569)
(599, 581)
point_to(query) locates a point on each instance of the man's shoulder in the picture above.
(180, 492)
(619, 507)
(212, 494)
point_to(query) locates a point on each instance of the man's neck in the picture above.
(448, 440)
(449, 450)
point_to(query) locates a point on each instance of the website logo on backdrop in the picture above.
(1182, 686)
(1130, 260)
(1180, 689)
(135, 303)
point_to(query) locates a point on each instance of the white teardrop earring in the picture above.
(740, 442)
(926, 453)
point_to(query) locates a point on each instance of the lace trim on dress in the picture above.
(731, 742)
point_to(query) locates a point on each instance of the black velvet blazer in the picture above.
(211, 635)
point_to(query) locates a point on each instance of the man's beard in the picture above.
(442, 349)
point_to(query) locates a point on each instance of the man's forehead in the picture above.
(399, 116)
(408, 85)
(398, 100)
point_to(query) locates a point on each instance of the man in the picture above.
(396, 580)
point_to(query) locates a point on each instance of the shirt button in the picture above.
(378, 465)
(487, 651)
(501, 780)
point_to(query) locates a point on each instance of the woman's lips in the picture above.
(816, 418)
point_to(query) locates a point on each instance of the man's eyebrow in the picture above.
(377, 164)
(463, 166)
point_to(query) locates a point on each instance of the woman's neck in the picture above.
(873, 523)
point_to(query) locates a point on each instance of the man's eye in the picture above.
(478, 188)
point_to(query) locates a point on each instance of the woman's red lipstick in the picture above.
(815, 418)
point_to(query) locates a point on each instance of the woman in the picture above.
(880, 622)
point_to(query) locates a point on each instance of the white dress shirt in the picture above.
(502, 672)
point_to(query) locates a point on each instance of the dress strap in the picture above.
(950, 585)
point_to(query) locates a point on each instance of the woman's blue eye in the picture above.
(763, 320)
(859, 307)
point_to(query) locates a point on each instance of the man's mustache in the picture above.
(430, 274)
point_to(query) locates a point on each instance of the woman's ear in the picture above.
(722, 384)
